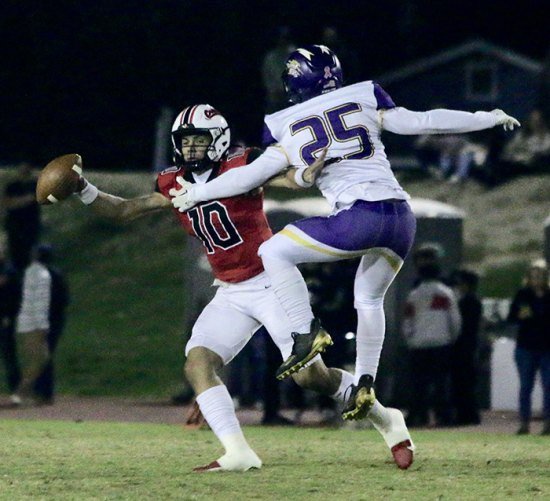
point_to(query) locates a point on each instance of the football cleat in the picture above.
(397, 438)
(403, 454)
(233, 462)
(305, 347)
(213, 466)
(361, 400)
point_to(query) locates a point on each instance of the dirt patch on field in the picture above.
(81, 409)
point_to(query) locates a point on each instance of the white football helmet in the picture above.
(197, 119)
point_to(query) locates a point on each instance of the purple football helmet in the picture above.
(311, 71)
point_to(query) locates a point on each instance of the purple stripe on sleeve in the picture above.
(267, 138)
(383, 99)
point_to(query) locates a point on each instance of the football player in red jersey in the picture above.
(231, 231)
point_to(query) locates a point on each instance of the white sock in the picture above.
(291, 291)
(217, 408)
(371, 327)
(379, 415)
(342, 393)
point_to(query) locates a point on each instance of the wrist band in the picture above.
(88, 194)
(298, 177)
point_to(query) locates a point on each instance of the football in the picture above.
(59, 179)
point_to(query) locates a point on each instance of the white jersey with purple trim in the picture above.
(347, 121)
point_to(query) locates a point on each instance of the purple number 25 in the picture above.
(332, 127)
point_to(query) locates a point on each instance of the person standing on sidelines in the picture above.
(530, 311)
(431, 326)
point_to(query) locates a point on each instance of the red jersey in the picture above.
(230, 229)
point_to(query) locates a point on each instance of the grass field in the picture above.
(47, 460)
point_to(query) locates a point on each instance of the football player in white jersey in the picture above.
(371, 217)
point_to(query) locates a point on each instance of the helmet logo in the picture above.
(293, 68)
(328, 73)
(211, 112)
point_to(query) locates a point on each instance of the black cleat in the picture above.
(361, 400)
(306, 346)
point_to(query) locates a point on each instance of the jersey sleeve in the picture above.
(383, 99)
(242, 180)
(403, 121)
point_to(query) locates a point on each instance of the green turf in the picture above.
(81, 461)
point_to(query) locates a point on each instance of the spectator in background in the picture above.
(22, 220)
(530, 310)
(39, 324)
(272, 63)
(465, 350)
(44, 387)
(453, 154)
(528, 151)
(9, 304)
(430, 327)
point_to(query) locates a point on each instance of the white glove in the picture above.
(182, 197)
(505, 120)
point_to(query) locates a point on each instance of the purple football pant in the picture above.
(352, 232)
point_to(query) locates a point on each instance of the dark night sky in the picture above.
(91, 76)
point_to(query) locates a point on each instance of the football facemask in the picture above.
(201, 119)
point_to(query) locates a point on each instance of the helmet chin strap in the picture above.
(197, 165)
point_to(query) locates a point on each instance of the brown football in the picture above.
(59, 179)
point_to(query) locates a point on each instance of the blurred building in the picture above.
(476, 75)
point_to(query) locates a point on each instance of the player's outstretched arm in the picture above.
(300, 177)
(403, 121)
(121, 209)
(231, 183)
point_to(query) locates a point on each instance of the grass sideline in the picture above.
(65, 461)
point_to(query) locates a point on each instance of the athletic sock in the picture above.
(343, 390)
(379, 415)
(217, 408)
(371, 326)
